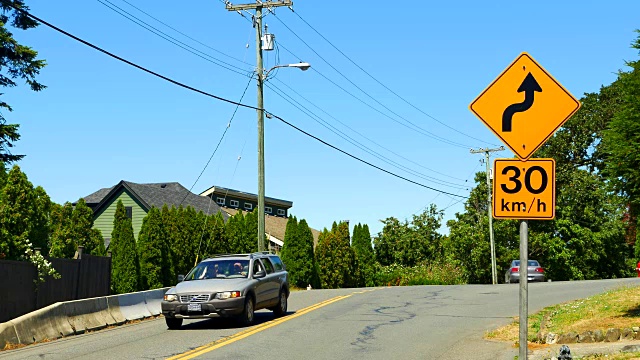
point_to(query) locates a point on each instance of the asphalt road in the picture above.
(419, 322)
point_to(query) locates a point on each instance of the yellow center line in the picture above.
(256, 329)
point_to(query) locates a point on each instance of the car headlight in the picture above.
(227, 295)
(171, 297)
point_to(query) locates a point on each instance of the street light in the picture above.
(261, 78)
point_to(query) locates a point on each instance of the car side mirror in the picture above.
(259, 274)
(180, 278)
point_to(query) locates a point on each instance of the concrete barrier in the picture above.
(48, 323)
(8, 334)
(133, 306)
(153, 298)
(78, 316)
(88, 314)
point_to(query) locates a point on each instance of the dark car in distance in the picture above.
(535, 272)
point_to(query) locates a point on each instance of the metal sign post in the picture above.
(524, 284)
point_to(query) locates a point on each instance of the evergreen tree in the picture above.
(336, 259)
(250, 237)
(213, 241)
(361, 243)
(62, 237)
(234, 231)
(291, 251)
(126, 264)
(40, 224)
(152, 250)
(18, 62)
(17, 210)
(119, 219)
(168, 268)
(82, 229)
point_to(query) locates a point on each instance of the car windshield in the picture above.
(219, 269)
(530, 262)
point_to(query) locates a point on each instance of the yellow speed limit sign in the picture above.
(524, 189)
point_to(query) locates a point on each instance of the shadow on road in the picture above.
(228, 323)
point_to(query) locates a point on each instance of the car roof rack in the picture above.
(250, 255)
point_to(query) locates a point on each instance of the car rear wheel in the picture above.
(173, 323)
(246, 318)
(281, 308)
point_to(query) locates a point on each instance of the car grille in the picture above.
(194, 298)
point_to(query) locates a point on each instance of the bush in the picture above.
(423, 274)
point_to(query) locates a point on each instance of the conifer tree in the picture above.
(152, 250)
(250, 238)
(336, 260)
(126, 264)
(62, 243)
(290, 252)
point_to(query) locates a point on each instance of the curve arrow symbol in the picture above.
(529, 86)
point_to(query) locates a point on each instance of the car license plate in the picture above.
(530, 279)
(194, 307)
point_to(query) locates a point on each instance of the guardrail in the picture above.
(78, 316)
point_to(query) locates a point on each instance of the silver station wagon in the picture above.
(234, 285)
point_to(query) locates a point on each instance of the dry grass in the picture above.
(628, 356)
(619, 308)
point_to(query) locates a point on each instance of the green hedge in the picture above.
(424, 274)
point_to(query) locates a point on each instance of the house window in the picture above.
(220, 201)
(234, 203)
(248, 206)
(281, 212)
(268, 210)
(129, 211)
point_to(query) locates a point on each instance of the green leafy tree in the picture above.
(17, 62)
(621, 140)
(409, 244)
(168, 225)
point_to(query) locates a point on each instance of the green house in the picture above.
(138, 200)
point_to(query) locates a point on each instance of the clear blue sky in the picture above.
(101, 121)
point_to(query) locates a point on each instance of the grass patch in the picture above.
(619, 308)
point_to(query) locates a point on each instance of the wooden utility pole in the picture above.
(257, 23)
(487, 151)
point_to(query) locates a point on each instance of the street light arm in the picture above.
(301, 65)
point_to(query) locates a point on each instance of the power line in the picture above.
(356, 143)
(185, 35)
(415, 127)
(409, 170)
(383, 85)
(218, 97)
(365, 137)
(418, 129)
(176, 42)
(219, 142)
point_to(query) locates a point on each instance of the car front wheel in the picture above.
(246, 318)
(173, 323)
(281, 308)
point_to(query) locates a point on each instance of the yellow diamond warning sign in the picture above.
(524, 189)
(524, 106)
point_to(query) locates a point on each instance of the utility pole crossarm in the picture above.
(267, 4)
